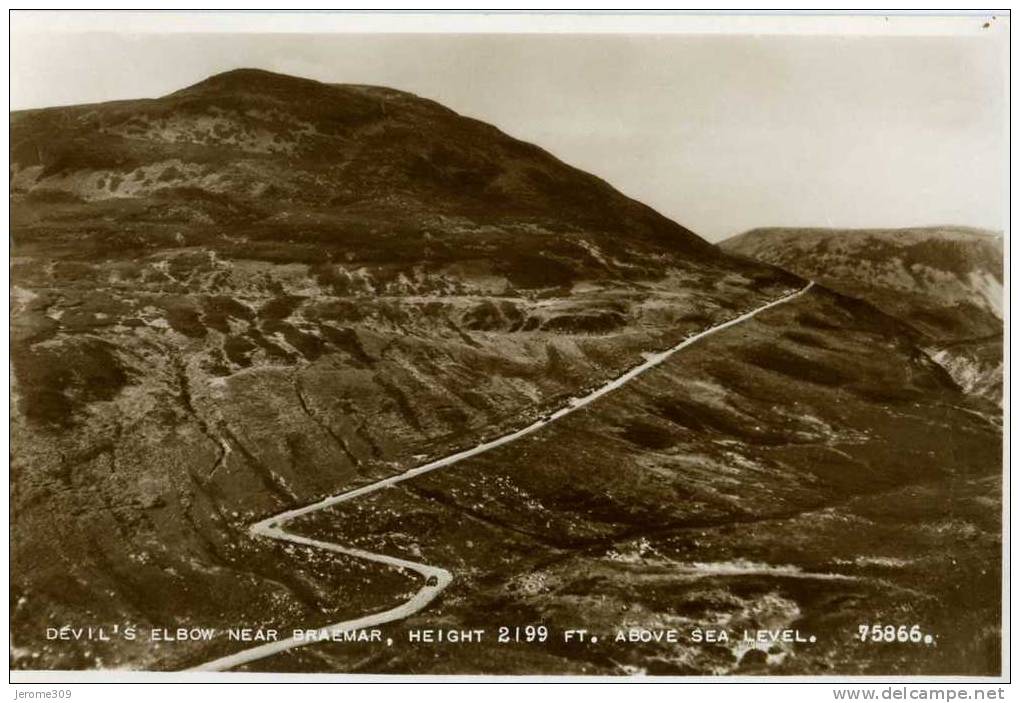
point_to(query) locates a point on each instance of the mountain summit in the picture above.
(331, 163)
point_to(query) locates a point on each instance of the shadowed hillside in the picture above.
(945, 282)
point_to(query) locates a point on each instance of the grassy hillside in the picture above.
(945, 282)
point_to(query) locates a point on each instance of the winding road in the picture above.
(436, 578)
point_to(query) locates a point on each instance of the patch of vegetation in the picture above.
(183, 317)
(794, 365)
(57, 379)
(280, 307)
(218, 310)
(645, 434)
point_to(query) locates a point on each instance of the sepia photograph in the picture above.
(496, 346)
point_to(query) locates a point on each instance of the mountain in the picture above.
(364, 168)
(945, 282)
(261, 290)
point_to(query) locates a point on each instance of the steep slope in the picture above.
(945, 282)
(262, 290)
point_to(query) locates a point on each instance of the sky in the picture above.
(721, 132)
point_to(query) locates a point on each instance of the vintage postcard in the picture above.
(507, 345)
